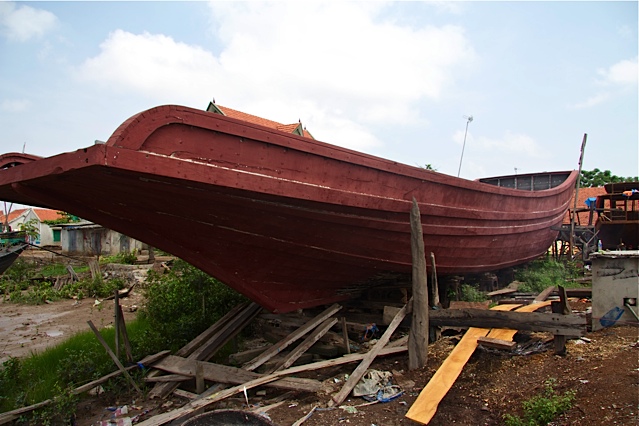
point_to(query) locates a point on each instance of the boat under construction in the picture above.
(286, 220)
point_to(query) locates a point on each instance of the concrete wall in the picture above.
(90, 240)
(615, 277)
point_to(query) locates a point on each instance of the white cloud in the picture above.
(154, 65)
(274, 57)
(14, 105)
(592, 101)
(24, 22)
(509, 143)
(623, 73)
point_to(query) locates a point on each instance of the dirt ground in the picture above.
(603, 369)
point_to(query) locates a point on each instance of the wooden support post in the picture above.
(561, 307)
(433, 282)
(419, 330)
(125, 335)
(347, 344)
(116, 322)
(368, 359)
(199, 377)
(113, 357)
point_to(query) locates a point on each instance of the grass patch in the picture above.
(540, 410)
(538, 275)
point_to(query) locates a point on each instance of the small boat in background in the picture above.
(284, 219)
(11, 245)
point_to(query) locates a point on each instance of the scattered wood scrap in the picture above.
(425, 406)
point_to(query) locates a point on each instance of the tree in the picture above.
(31, 229)
(596, 177)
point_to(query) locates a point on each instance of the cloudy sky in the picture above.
(393, 79)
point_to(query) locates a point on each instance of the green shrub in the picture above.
(470, 293)
(538, 275)
(542, 409)
(183, 303)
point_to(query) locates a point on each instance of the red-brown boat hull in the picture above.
(288, 221)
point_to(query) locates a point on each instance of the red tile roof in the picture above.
(12, 215)
(46, 214)
(43, 214)
(288, 128)
(584, 194)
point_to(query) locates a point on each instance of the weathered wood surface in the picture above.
(307, 343)
(491, 342)
(425, 406)
(188, 349)
(568, 325)
(284, 343)
(217, 335)
(368, 359)
(199, 404)
(418, 335)
(541, 297)
(231, 375)
(113, 357)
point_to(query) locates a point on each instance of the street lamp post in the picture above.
(468, 120)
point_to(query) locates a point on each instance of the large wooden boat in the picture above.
(288, 221)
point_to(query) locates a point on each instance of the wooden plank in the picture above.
(425, 406)
(418, 335)
(116, 322)
(230, 375)
(347, 342)
(307, 343)
(357, 374)
(188, 349)
(225, 328)
(569, 325)
(508, 334)
(167, 378)
(544, 294)
(284, 343)
(199, 377)
(491, 342)
(113, 357)
(125, 335)
(201, 403)
(227, 331)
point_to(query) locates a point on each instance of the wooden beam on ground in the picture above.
(231, 375)
(491, 342)
(418, 336)
(188, 349)
(307, 343)
(541, 297)
(113, 357)
(167, 378)
(569, 325)
(284, 343)
(562, 307)
(199, 404)
(222, 331)
(357, 374)
(425, 406)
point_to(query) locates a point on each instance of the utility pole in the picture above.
(468, 120)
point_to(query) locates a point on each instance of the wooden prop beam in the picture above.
(357, 374)
(284, 343)
(418, 336)
(113, 357)
(199, 404)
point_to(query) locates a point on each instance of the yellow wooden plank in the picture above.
(425, 406)
(508, 334)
